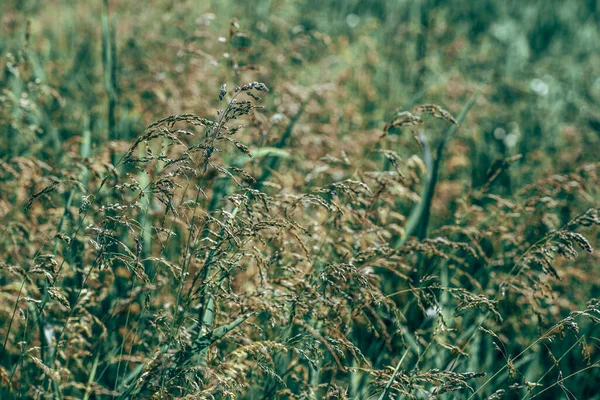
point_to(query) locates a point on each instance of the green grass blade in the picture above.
(418, 219)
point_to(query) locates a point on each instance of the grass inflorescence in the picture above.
(277, 243)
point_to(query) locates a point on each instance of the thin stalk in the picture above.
(589, 332)
(394, 374)
(92, 376)
(560, 381)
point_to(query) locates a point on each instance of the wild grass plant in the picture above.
(281, 239)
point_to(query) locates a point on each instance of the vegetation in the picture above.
(357, 199)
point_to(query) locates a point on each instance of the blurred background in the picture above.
(117, 63)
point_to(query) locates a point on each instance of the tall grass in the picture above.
(280, 239)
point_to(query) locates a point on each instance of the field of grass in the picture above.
(299, 199)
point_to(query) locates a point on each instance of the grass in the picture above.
(396, 212)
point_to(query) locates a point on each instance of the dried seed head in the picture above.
(222, 92)
(437, 112)
(404, 118)
(261, 87)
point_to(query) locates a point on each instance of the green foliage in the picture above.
(332, 232)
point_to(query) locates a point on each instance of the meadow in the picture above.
(299, 199)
